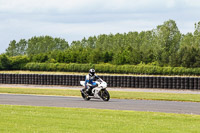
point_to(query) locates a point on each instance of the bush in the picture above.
(5, 62)
(18, 62)
(109, 68)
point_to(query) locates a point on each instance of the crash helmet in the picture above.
(92, 72)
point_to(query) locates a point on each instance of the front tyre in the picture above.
(85, 96)
(104, 94)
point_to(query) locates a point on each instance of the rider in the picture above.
(90, 79)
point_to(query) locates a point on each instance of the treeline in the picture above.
(36, 45)
(163, 46)
(20, 63)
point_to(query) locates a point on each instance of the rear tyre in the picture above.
(104, 94)
(85, 96)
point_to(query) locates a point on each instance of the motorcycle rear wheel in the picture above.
(104, 94)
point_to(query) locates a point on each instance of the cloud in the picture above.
(75, 19)
(84, 6)
(193, 3)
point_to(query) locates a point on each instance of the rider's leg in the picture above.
(89, 90)
(85, 88)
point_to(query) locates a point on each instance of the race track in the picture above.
(115, 104)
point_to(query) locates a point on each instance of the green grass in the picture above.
(114, 94)
(156, 96)
(29, 119)
(40, 91)
(82, 73)
(57, 73)
(41, 72)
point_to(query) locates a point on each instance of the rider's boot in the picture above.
(89, 90)
(84, 89)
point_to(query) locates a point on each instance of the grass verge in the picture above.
(60, 73)
(82, 73)
(41, 72)
(76, 120)
(114, 94)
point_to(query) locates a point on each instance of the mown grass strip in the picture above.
(83, 73)
(41, 72)
(156, 96)
(65, 73)
(114, 94)
(76, 120)
(40, 91)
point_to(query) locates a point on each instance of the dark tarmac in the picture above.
(114, 104)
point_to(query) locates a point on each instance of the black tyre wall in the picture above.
(191, 83)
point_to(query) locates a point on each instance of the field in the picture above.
(76, 120)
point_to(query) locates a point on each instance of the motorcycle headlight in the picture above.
(104, 85)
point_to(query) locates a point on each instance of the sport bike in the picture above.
(98, 92)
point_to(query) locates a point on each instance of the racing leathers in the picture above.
(90, 79)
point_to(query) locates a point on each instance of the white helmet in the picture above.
(92, 72)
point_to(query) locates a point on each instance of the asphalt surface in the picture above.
(114, 104)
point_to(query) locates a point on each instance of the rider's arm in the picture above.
(97, 77)
(86, 80)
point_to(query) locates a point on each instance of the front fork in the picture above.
(100, 93)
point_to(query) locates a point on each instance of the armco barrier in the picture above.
(191, 83)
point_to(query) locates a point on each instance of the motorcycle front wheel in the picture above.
(104, 94)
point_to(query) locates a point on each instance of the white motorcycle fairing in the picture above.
(102, 85)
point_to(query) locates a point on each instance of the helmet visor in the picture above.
(92, 73)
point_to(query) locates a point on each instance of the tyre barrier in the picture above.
(192, 83)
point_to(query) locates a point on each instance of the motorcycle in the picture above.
(98, 92)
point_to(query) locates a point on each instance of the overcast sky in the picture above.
(75, 19)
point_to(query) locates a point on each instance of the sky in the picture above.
(75, 19)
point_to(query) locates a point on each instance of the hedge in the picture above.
(109, 68)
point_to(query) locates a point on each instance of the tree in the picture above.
(189, 53)
(167, 38)
(12, 49)
(44, 44)
(21, 47)
(16, 49)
